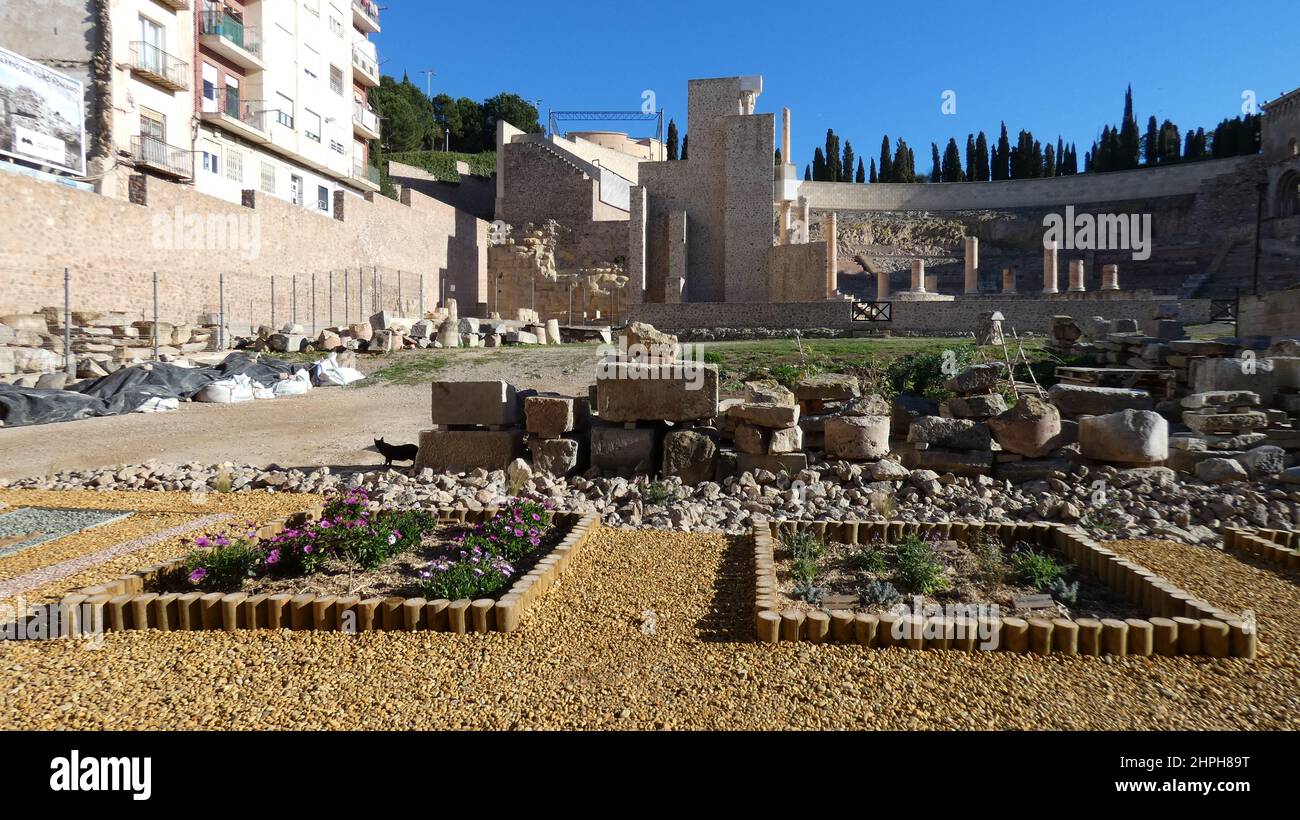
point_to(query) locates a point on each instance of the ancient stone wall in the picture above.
(112, 247)
(797, 273)
(1272, 314)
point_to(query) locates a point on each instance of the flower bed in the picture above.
(1280, 547)
(920, 557)
(306, 572)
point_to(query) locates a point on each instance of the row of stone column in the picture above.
(1109, 274)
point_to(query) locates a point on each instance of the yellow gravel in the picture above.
(151, 512)
(582, 661)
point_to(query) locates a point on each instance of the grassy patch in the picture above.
(406, 369)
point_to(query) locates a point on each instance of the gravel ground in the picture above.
(581, 660)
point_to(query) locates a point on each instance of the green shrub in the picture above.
(811, 593)
(803, 571)
(803, 545)
(442, 164)
(1064, 591)
(917, 566)
(223, 568)
(869, 559)
(1035, 568)
(659, 493)
(479, 563)
(922, 373)
(878, 592)
(989, 556)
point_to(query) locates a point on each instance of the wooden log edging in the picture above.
(125, 604)
(1279, 547)
(1180, 624)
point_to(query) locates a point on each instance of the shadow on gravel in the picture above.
(727, 620)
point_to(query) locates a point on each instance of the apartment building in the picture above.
(281, 99)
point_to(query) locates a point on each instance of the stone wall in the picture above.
(474, 195)
(112, 247)
(797, 273)
(1273, 314)
(1144, 183)
(519, 284)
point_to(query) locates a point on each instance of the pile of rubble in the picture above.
(32, 345)
(441, 328)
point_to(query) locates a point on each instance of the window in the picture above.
(336, 146)
(231, 106)
(284, 110)
(210, 163)
(313, 6)
(311, 62)
(322, 198)
(149, 55)
(295, 189)
(210, 76)
(268, 177)
(311, 124)
(336, 80)
(234, 166)
(153, 125)
(336, 25)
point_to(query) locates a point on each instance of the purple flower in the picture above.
(201, 541)
(222, 541)
(308, 549)
(273, 557)
(198, 575)
(537, 516)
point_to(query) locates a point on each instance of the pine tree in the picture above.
(936, 173)
(672, 140)
(886, 163)
(862, 176)
(981, 158)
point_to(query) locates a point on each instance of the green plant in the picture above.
(923, 373)
(1104, 520)
(1035, 569)
(869, 559)
(990, 556)
(917, 566)
(1064, 591)
(803, 545)
(878, 592)
(803, 571)
(481, 561)
(883, 504)
(659, 493)
(224, 567)
(224, 482)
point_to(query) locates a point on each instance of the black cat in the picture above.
(396, 452)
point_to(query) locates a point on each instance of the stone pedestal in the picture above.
(932, 282)
(785, 223)
(1009, 280)
(1049, 268)
(918, 275)
(972, 265)
(831, 232)
(882, 286)
(1110, 277)
(1076, 276)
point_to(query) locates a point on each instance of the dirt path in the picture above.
(330, 426)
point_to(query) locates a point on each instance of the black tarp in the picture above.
(127, 389)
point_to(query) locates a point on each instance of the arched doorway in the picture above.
(1288, 194)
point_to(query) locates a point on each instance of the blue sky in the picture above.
(883, 69)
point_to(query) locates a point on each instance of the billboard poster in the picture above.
(42, 115)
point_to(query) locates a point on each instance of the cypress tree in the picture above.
(952, 163)
(807, 173)
(673, 149)
(1002, 156)
(1129, 139)
(981, 158)
(1060, 156)
(685, 139)
(832, 157)
(873, 178)
(1049, 160)
(1151, 142)
(846, 164)
(936, 173)
(970, 158)
(819, 165)
(886, 163)
(862, 176)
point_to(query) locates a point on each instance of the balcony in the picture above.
(150, 63)
(365, 122)
(222, 34)
(366, 174)
(364, 68)
(178, 5)
(365, 16)
(247, 118)
(153, 153)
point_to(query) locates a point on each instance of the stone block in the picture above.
(550, 416)
(789, 440)
(749, 438)
(978, 378)
(619, 450)
(1082, 400)
(1128, 437)
(827, 387)
(476, 402)
(907, 409)
(1266, 460)
(467, 324)
(7, 366)
(1286, 372)
(768, 391)
(1256, 375)
(556, 456)
(976, 407)
(635, 392)
(1218, 398)
(772, 416)
(968, 464)
(1032, 428)
(384, 341)
(1220, 471)
(954, 434)
(1225, 422)
(857, 438)
(468, 449)
(689, 455)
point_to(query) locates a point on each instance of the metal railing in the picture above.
(153, 151)
(249, 112)
(365, 171)
(367, 7)
(150, 59)
(226, 27)
(365, 62)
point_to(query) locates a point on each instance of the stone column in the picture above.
(972, 264)
(636, 244)
(805, 220)
(675, 283)
(1049, 268)
(918, 275)
(1110, 277)
(785, 223)
(1008, 280)
(1076, 276)
(882, 286)
(785, 136)
(831, 231)
(932, 282)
